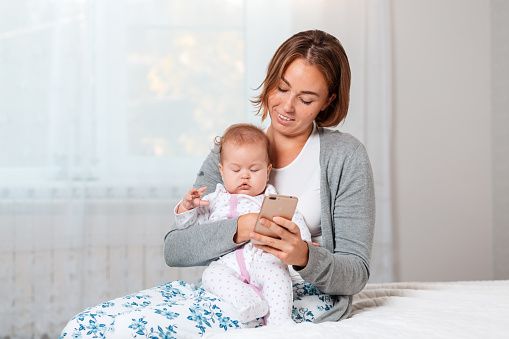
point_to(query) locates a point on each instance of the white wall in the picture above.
(442, 141)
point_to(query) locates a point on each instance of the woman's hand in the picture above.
(245, 225)
(290, 249)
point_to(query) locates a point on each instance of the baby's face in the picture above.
(245, 169)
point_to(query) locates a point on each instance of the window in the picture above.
(109, 92)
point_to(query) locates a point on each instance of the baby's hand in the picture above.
(192, 200)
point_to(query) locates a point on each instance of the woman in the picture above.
(306, 89)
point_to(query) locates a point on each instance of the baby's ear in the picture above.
(220, 165)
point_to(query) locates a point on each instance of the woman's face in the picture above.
(301, 94)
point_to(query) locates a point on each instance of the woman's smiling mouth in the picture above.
(284, 118)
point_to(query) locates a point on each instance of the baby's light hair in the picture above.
(243, 134)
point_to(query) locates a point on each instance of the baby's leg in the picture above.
(273, 277)
(223, 281)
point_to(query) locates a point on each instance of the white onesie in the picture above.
(256, 283)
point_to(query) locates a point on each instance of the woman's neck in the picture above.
(285, 149)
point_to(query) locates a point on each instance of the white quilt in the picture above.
(471, 309)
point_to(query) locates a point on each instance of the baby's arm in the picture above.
(200, 211)
(191, 200)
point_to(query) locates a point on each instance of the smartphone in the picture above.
(274, 205)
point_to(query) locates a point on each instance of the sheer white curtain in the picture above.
(107, 109)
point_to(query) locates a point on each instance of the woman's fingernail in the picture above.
(262, 221)
(276, 219)
(252, 235)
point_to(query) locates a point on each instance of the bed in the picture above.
(469, 309)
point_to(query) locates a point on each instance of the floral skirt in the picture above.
(179, 310)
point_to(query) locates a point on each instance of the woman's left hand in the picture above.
(290, 249)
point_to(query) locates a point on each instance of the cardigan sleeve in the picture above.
(201, 244)
(342, 266)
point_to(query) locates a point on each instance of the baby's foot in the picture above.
(250, 309)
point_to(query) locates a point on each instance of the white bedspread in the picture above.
(473, 309)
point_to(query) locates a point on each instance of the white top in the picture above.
(301, 178)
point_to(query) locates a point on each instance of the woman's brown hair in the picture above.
(323, 51)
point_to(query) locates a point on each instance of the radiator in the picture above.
(59, 257)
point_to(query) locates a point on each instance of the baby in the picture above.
(256, 283)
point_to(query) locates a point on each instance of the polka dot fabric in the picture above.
(269, 291)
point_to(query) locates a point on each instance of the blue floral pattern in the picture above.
(178, 309)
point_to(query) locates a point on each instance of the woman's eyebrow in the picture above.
(303, 92)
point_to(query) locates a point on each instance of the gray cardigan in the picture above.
(339, 268)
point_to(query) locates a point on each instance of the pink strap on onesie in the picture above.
(244, 274)
(233, 207)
